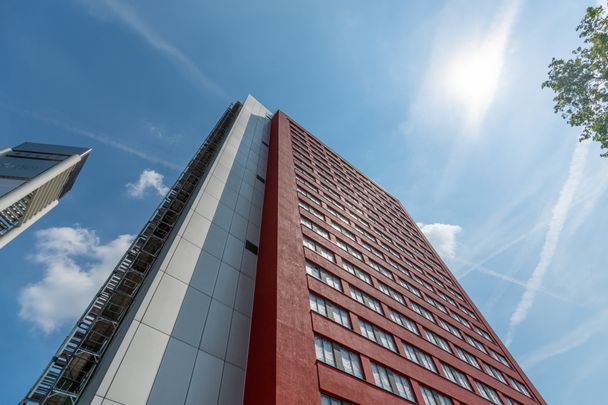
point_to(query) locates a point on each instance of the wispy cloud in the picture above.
(558, 218)
(442, 237)
(75, 265)
(121, 11)
(571, 340)
(148, 179)
(92, 135)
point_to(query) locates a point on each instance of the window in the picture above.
(307, 207)
(354, 270)
(309, 195)
(327, 400)
(488, 393)
(404, 321)
(455, 376)
(432, 397)
(399, 267)
(468, 312)
(329, 310)
(337, 214)
(391, 293)
(374, 333)
(372, 249)
(314, 227)
(345, 246)
(492, 372)
(499, 358)
(483, 333)
(475, 343)
(437, 341)
(336, 356)
(423, 283)
(419, 357)
(323, 251)
(410, 288)
(510, 401)
(450, 328)
(467, 357)
(392, 382)
(423, 312)
(365, 299)
(446, 298)
(460, 319)
(436, 304)
(381, 269)
(343, 230)
(320, 274)
(519, 387)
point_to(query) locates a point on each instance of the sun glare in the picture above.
(472, 78)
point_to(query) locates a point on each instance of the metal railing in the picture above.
(69, 371)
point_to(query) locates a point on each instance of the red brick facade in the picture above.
(313, 194)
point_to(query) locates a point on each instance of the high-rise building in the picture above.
(33, 177)
(275, 272)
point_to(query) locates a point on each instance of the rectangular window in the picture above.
(475, 343)
(436, 304)
(329, 310)
(374, 333)
(483, 333)
(337, 214)
(423, 312)
(354, 270)
(391, 293)
(312, 210)
(455, 376)
(432, 397)
(392, 382)
(468, 312)
(323, 251)
(410, 288)
(437, 341)
(327, 400)
(321, 274)
(419, 357)
(487, 392)
(336, 356)
(446, 298)
(450, 328)
(314, 227)
(460, 319)
(381, 269)
(404, 321)
(518, 386)
(491, 371)
(399, 267)
(365, 299)
(510, 401)
(372, 249)
(343, 230)
(345, 246)
(499, 358)
(467, 357)
(309, 195)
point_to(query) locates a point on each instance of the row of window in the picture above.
(389, 380)
(395, 264)
(334, 282)
(385, 339)
(381, 269)
(415, 244)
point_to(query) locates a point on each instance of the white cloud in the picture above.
(148, 179)
(75, 265)
(442, 237)
(571, 340)
(556, 225)
(131, 20)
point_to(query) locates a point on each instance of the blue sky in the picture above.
(439, 102)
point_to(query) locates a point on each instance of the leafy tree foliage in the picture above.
(580, 84)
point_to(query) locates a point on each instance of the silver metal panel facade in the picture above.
(186, 341)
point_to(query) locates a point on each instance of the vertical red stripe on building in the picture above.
(281, 364)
